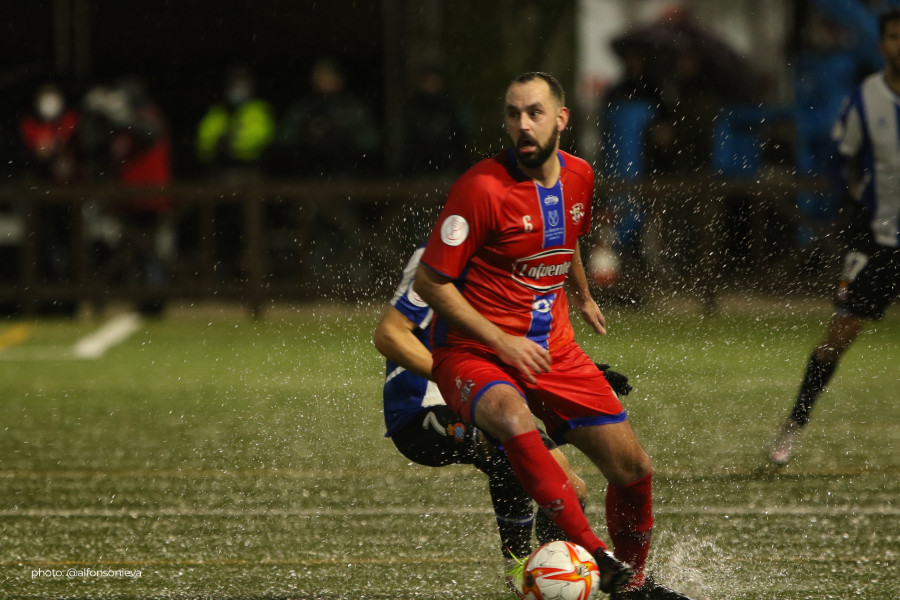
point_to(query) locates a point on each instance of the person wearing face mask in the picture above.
(232, 141)
(48, 141)
(48, 136)
(233, 134)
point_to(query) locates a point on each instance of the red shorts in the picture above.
(573, 394)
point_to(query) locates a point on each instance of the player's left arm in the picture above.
(580, 295)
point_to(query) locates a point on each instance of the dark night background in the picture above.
(182, 50)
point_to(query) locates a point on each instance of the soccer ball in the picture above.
(560, 571)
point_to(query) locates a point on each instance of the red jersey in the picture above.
(41, 135)
(508, 244)
(145, 160)
(51, 146)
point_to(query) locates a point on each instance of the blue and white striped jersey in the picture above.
(406, 394)
(869, 130)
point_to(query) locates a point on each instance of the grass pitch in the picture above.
(220, 457)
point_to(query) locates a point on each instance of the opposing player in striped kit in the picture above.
(868, 141)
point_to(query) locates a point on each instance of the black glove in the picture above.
(617, 381)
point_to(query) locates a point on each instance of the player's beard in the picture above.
(542, 152)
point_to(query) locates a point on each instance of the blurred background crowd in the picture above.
(99, 96)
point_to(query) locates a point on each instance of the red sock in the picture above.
(629, 518)
(546, 482)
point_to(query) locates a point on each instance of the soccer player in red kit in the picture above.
(497, 270)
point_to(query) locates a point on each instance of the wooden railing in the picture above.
(262, 241)
(252, 242)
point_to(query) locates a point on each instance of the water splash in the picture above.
(695, 567)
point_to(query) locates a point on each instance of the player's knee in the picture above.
(631, 467)
(642, 466)
(503, 413)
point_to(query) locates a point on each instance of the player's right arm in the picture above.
(446, 300)
(853, 221)
(848, 135)
(579, 295)
(395, 339)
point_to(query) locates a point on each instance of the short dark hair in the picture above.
(887, 17)
(556, 87)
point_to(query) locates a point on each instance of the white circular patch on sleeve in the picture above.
(454, 230)
(415, 298)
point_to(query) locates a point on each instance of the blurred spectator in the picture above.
(690, 77)
(233, 139)
(827, 69)
(141, 149)
(627, 110)
(438, 130)
(638, 82)
(233, 135)
(329, 132)
(680, 143)
(692, 102)
(136, 150)
(48, 136)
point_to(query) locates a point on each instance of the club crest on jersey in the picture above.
(577, 212)
(544, 271)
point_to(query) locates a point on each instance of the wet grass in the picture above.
(226, 458)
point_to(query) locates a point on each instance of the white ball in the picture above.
(560, 571)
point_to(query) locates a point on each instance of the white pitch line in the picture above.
(115, 331)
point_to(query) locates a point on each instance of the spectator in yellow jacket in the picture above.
(233, 135)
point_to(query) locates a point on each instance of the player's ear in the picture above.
(562, 118)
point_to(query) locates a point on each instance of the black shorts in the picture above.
(869, 283)
(437, 437)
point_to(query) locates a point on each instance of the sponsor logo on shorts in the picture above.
(841, 293)
(465, 389)
(457, 431)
